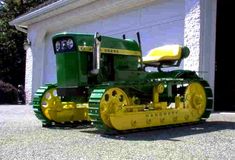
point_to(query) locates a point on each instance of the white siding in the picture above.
(49, 74)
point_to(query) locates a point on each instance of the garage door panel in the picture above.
(162, 10)
(161, 22)
(121, 21)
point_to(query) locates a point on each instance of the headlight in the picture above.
(57, 46)
(70, 43)
(64, 45)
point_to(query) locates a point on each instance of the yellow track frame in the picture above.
(118, 111)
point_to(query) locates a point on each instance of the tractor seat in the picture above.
(163, 53)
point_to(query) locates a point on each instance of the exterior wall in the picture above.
(207, 41)
(49, 70)
(199, 36)
(192, 34)
(36, 36)
(28, 75)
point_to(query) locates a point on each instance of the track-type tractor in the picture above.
(103, 81)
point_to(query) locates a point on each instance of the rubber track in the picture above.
(209, 101)
(37, 104)
(97, 94)
(45, 121)
(94, 104)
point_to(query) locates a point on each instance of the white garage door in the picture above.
(159, 23)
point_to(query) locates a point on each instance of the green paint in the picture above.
(73, 68)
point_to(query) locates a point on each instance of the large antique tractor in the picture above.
(103, 80)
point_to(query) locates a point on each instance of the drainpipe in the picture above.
(21, 28)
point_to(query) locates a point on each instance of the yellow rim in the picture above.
(50, 103)
(113, 100)
(195, 97)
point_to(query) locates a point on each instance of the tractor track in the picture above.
(97, 94)
(94, 104)
(37, 104)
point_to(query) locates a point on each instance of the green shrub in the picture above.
(8, 93)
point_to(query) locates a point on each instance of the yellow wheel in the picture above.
(50, 104)
(195, 97)
(113, 100)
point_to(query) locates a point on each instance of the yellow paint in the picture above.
(110, 51)
(195, 98)
(123, 114)
(167, 52)
(177, 102)
(158, 89)
(133, 120)
(114, 100)
(58, 111)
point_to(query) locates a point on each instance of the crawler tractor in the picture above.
(103, 81)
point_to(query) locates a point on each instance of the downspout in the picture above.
(21, 28)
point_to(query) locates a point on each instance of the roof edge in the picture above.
(54, 8)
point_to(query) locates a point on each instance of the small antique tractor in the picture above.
(103, 80)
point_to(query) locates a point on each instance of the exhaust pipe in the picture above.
(96, 54)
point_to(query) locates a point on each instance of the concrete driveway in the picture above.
(22, 137)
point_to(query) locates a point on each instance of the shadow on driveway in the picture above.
(171, 133)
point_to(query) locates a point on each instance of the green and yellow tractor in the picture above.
(103, 81)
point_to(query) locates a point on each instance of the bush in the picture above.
(8, 93)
